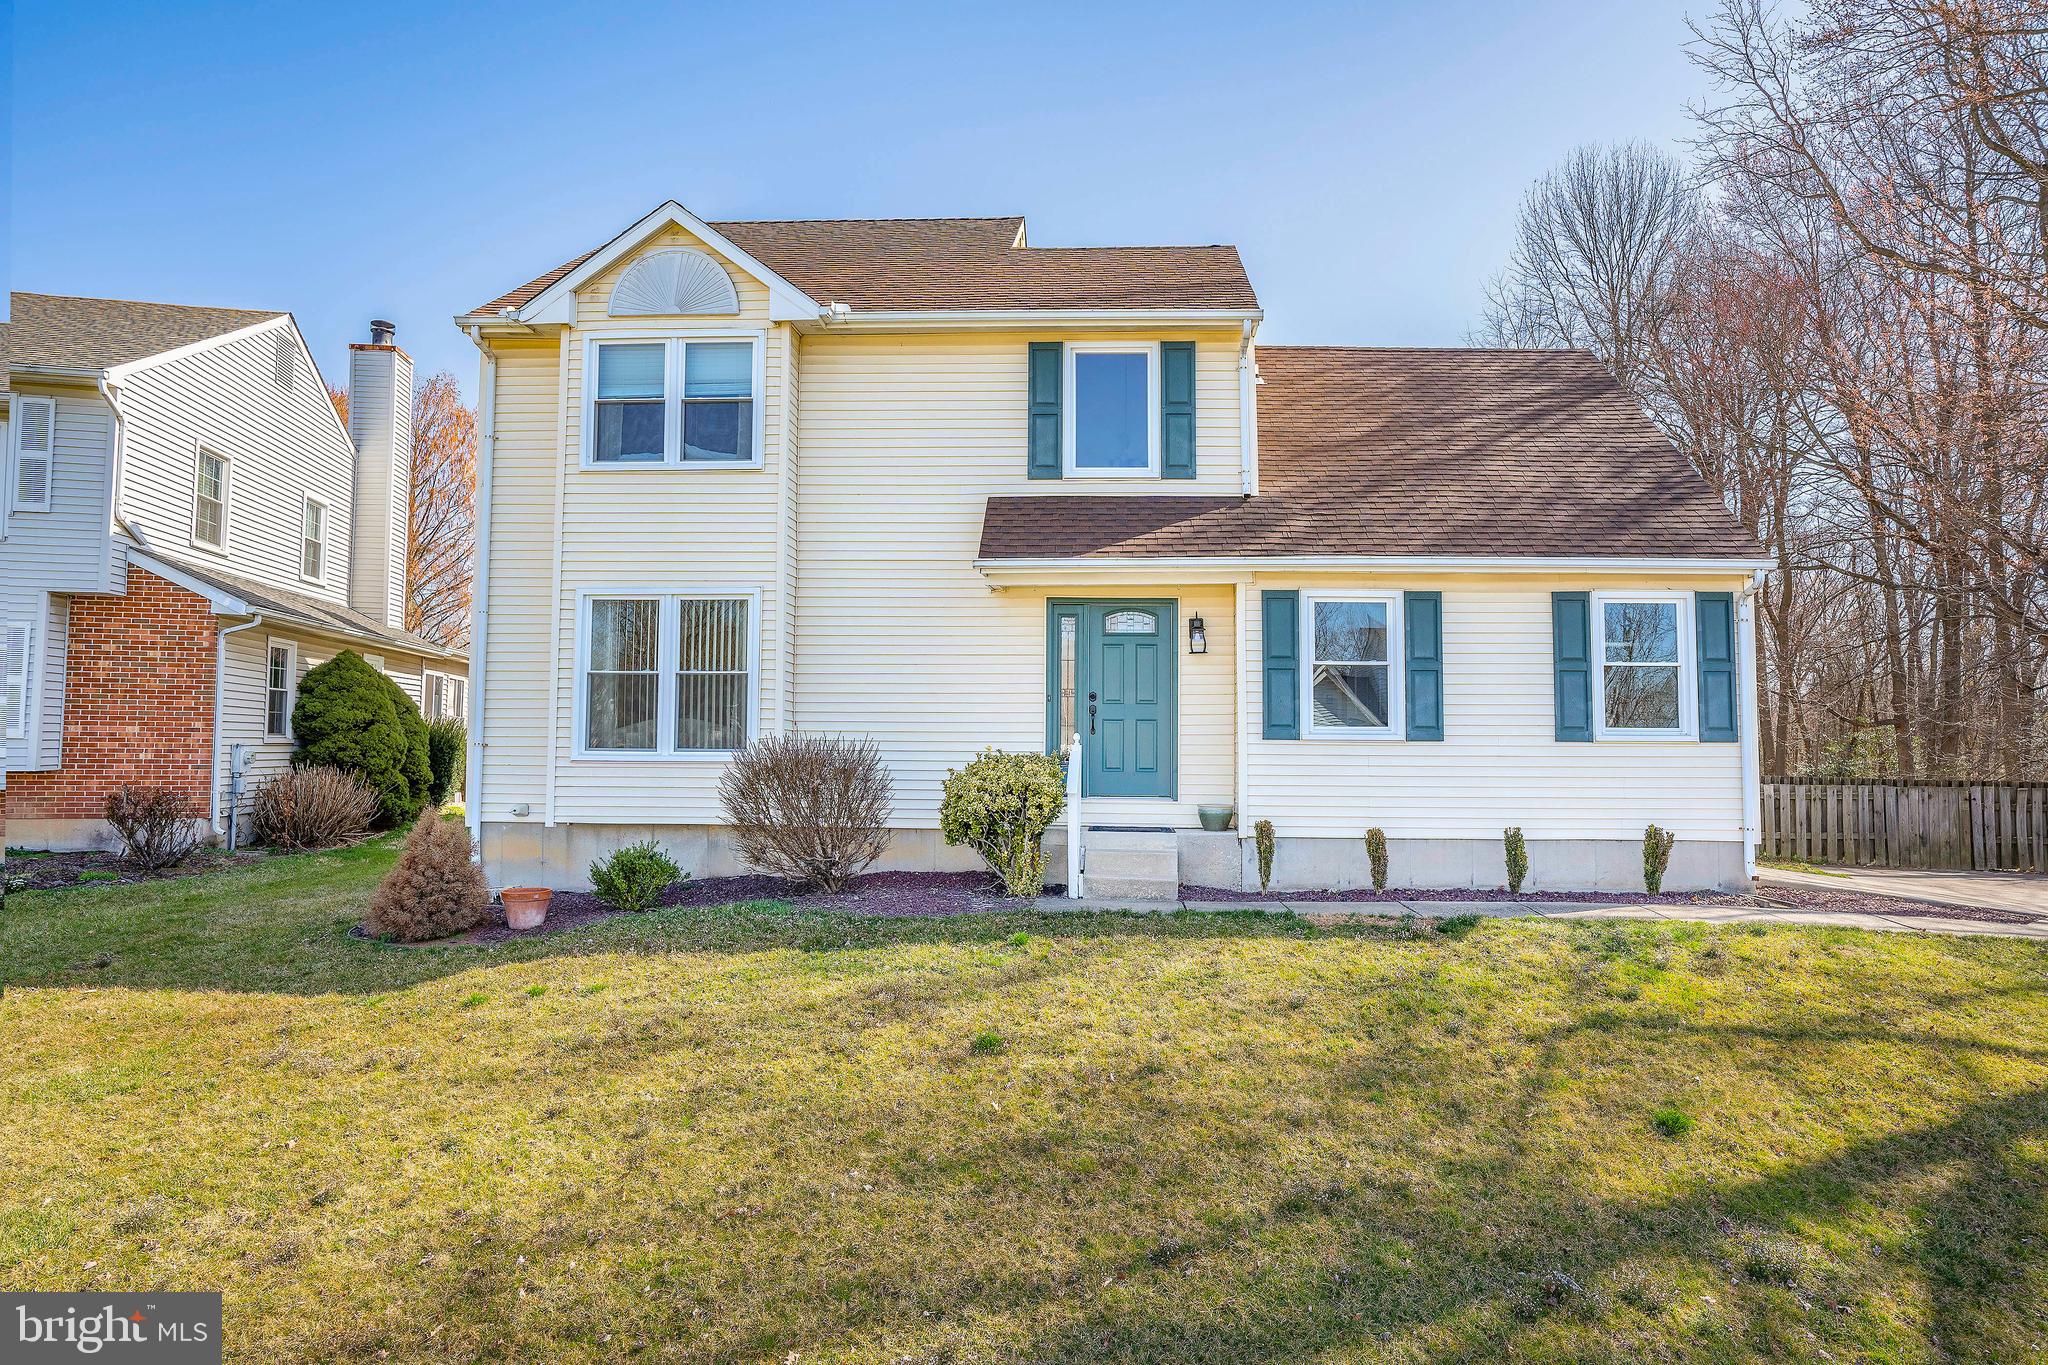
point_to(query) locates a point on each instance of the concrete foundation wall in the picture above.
(533, 855)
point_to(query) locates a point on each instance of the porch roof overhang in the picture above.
(1004, 572)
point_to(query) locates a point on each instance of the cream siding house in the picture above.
(920, 481)
(197, 447)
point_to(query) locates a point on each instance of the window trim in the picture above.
(8, 732)
(1688, 666)
(306, 505)
(1070, 408)
(665, 693)
(272, 644)
(201, 450)
(1395, 730)
(671, 401)
(449, 681)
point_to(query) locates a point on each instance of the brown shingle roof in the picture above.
(308, 610)
(900, 264)
(59, 332)
(1414, 452)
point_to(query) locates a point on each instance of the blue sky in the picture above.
(409, 161)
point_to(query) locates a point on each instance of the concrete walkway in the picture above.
(1991, 890)
(1568, 910)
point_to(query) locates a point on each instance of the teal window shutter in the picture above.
(1176, 409)
(1571, 646)
(1044, 383)
(1282, 630)
(1714, 620)
(1423, 613)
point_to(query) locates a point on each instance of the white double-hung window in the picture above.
(1112, 411)
(1645, 677)
(312, 540)
(210, 500)
(684, 402)
(667, 674)
(1353, 680)
(280, 688)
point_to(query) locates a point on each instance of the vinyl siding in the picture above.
(49, 553)
(282, 445)
(243, 695)
(1499, 762)
(903, 440)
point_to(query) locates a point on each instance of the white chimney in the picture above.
(380, 423)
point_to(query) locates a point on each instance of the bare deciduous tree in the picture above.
(440, 542)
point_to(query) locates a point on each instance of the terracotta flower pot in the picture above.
(525, 906)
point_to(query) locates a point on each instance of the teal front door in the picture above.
(1117, 661)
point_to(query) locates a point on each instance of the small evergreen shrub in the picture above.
(1262, 840)
(447, 741)
(312, 808)
(1000, 805)
(435, 891)
(1517, 850)
(1656, 856)
(352, 717)
(811, 807)
(1376, 852)
(634, 876)
(157, 826)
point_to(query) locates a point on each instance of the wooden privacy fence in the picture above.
(1984, 826)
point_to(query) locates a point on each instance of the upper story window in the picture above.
(210, 500)
(1352, 683)
(1645, 682)
(313, 540)
(1113, 411)
(683, 402)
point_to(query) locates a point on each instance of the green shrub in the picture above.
(1001, 805)
(1376, 851)
(350, 716)
(1656, 856)
(447, 740)
(1457, 926)
(1262, 839)
(634, 876)
(1517, 850)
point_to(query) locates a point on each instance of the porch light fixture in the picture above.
(1198, 638)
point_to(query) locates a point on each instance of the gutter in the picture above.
(220, 670)
(1233, 564)
(479, 609)
(839, 317)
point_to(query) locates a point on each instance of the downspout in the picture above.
(1752, 682)
(220, 676)
(479, 608)
(1247, 412)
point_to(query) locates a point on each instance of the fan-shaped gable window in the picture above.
(677, 280)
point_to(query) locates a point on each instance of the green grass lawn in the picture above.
(755, 1135)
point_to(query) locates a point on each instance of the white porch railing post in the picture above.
(1074, 891)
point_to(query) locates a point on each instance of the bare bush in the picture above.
(434, 891)
(811, 807)
(158, 827)
(312, 808)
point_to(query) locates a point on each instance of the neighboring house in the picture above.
(185, 528)
(920, 481)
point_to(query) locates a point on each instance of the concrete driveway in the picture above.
(1991, 890)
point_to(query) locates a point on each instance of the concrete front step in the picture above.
(1157, 840)
(1150, 864)
(1147, 889)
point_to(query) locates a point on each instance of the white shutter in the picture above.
(35, 442)
(14, 691)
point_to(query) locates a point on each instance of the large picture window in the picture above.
(1112, 408)
(1645, 681)
(1353, 681)
(674, 401)
(668, 674)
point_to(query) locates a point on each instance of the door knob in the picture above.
(1091, 713)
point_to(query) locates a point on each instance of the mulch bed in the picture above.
(54, 871)
(938, 894)
(1813, 898)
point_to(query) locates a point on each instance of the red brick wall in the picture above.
(138, 703)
